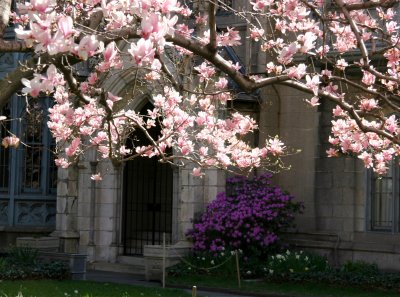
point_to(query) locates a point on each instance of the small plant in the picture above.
(360, 267)
(23, 256)
(250, 216)
(293, 262)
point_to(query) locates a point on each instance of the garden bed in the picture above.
(24, 263)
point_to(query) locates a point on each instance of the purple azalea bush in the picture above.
(249, 216)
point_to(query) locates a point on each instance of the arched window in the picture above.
(28, 176)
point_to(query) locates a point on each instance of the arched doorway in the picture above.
(148, 190)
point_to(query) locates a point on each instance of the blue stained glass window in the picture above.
(28, 176)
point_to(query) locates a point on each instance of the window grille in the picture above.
(383, 197)
(33, 148)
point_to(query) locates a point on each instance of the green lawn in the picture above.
(315, 289)
(50, 288)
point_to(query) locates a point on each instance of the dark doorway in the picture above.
(147, 198)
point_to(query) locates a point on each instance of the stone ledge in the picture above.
(40, 243)
(26, 229)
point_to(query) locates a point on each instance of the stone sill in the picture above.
(26, 229)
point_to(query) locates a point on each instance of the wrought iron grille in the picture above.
(148, 199)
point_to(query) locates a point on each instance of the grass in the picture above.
(293, 289)
(51, 288)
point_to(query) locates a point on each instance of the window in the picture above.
(383, 214)
(28, 176)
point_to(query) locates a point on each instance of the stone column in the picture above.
(117, 212)
(67, 206)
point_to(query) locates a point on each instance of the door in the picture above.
(147, 199)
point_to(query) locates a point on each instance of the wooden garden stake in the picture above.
(194, 291)
(163, 262)
(238, 269)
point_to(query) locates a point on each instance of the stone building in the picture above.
(349, 213)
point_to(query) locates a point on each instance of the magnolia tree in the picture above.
(174, 50)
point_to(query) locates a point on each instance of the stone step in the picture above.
(131, 260)
(117, 267)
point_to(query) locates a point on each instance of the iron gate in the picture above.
(147, 201)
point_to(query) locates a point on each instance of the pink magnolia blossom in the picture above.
(10, 141)
(72, 149)
(368, 104)
(87, 47)
(368, 78)
(62, 162)
(32, 87)
(314, 101)
(256, 33)
(142, 51)
(65, 25)
(287, 53)
(297, 72)
(96, 177)
(313, 83)
(205, 71)
(201, 19)
(341, 64)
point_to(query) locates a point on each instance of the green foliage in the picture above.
(360, 267)
(23, 263)
(3, 263)
(287, 263)
(316, 269)
(23, 256)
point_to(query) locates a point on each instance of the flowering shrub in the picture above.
(250, 216)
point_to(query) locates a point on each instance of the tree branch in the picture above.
(73, 87)
(371, 4)
(212, 26)
(14, 46)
